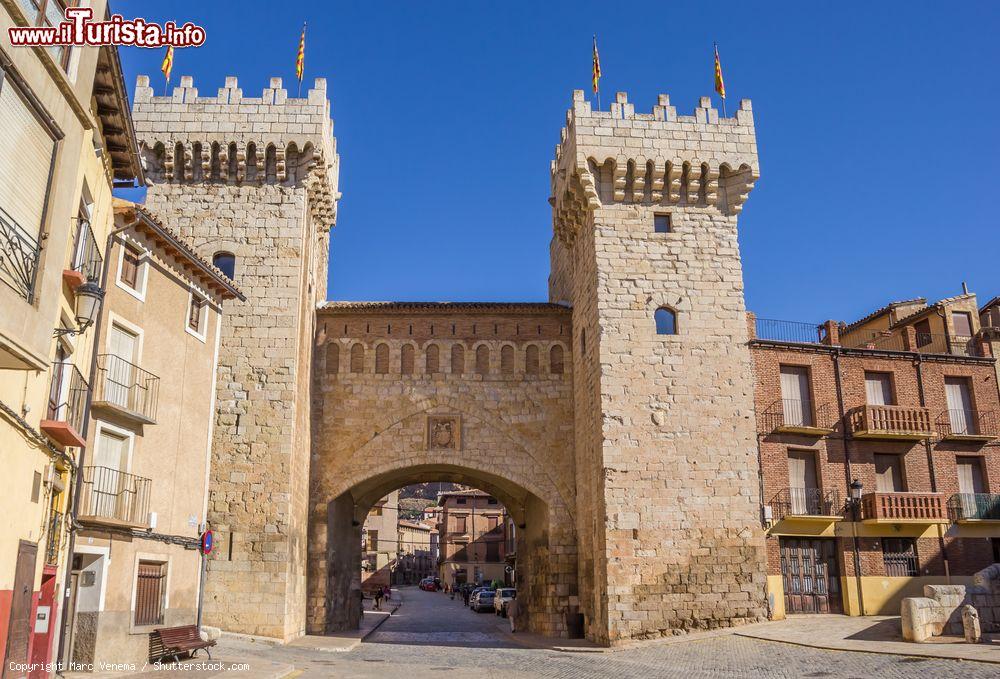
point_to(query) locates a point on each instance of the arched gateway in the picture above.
(396, 418)
(628, 455)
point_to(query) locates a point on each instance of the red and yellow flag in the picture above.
(597, 68)
(300, 60)
(720, 86)
(168, 63)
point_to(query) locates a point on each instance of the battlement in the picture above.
(230, 139)
(656, 158)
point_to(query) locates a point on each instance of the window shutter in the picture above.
(25, 159)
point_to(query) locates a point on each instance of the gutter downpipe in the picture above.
(848, 437)
(78, 485)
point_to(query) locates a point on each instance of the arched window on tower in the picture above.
(226, 263)
(382, 359)
(482, 359)
(507, 359)
(358, 358)
(234, 163)
(406, 359)
(197, 158)
(433, 359)
(531, 360)
(291, 164)
(179, 163)
(457, 359)
(270, 164)
(332, 358)
(251, 162)
(215, 165)
(556, 360)
(666, 321)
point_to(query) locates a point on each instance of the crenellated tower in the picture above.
(253, 180)
(645, 211)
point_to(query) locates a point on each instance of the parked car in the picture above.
(427, 584)
(483, 600)
(502, 598)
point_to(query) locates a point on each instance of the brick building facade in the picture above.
(472, 531)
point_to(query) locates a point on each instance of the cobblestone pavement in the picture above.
(433, 636)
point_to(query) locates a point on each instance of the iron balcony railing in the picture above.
(806, 502)
(54, 543)
(974, 507)
(126, 386)
(19, 255)
(112, 496)
(87, 257)
(68, 393)
(924, 343)
(789, 331)
(890, 422)
(903, 507)
(791, 414)
(968, 423)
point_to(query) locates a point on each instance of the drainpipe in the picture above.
(930, 465)
(78, 485)
(847, 438)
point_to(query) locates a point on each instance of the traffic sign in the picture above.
(207, 542)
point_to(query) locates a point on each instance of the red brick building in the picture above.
(472, 529)
(902, 405)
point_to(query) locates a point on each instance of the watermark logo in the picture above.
(78, 28)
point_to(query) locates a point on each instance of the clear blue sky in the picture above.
(877, 129)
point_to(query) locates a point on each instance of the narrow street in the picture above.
(431, 635)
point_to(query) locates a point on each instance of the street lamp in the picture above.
(89, 298)
(855, 490)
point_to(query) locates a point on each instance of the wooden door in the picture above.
(960, 414)
(810, 575)
(19, 627)
(878, 389)
(122, 346)
(796, 398)
(802, 482)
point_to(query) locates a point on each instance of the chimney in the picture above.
(965, 288)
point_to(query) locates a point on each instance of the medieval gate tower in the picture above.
(255, 178)
(641, 449)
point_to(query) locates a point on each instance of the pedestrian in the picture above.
(387, 591)
(465, 594)
(512, 612)
(378, 599)
(361, 601)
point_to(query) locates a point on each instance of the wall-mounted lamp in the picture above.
(89, 298)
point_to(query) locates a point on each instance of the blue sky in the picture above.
(876, 127)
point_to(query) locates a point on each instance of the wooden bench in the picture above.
(174, 641)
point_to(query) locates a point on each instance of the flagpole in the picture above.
(303, 58)
(718, 66)
(597, 86)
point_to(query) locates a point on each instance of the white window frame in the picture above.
(203, 319)
(166, 560)
(143, 273)
(101, 425)
(105, 553)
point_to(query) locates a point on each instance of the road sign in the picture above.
(207, 542)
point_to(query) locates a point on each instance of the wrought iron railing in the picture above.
(54, 543)
(112, 495)
(788, 331)
(974, 507)
(125, 385)
(793, 413)
(958, 422)
(87, 257)
(924, 343)
(903, 506)
(806, 502)
(19, 254)
(876, 340)
(890, 421)
(68, 394)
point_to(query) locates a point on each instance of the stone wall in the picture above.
(255, 177)
(666, 445)
(391, 408)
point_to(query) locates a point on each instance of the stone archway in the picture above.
(484, 454)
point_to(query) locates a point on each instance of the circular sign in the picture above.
(207, 542)
(509, 569)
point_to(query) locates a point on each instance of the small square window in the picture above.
(661, 223)
(196, 314)
(131, 261)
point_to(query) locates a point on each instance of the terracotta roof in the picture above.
(181, 248)
(993, 302)
(114, 113)
(926, 310)
(881, 312)
(472, 492)
(412, 524)
(447, 307)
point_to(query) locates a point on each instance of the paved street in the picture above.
(433, 636)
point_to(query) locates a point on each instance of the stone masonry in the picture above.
(255, 177)
(668, 500)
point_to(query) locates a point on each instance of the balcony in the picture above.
(903, 508)
(890, 422)
(68, 395)
(974, 507)
(126, 389)
(795, 416)
(112, 497)
(807, 503)
(920, 343)
(788, 331)
(87, 262)
(19, 255)
(54, 543)
(968, 425)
